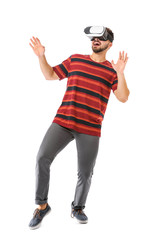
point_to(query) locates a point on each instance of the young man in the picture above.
(79, 117)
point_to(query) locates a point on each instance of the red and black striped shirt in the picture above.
(88, 89)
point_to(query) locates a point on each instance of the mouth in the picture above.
(96, 43)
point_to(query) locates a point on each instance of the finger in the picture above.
(38, 41)
(112, 62)
(33, 42)
(126, 60)
(123, 55)
(31, 46)
(126, 56)
(120, 56)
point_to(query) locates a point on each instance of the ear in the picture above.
(110, 44)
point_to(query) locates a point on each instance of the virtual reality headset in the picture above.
(98, 32)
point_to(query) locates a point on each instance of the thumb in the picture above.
(112, 62)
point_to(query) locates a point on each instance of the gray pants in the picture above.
(56, 138)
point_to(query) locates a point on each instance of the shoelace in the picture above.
(79, 211)
(37, 213)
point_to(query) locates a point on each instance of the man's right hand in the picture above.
(37, 47)
(39, 50)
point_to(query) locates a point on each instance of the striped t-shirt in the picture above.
(88, 89)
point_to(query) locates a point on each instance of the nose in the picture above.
(95, 38)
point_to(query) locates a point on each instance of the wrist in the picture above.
(42, 59)
(120, 73)
(41, 56)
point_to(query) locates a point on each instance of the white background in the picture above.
(123, 199)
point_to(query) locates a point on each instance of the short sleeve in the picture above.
(115, 82)
(62, 69)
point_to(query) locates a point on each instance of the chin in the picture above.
(97, 50)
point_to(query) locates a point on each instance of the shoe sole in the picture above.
(82, 222)
(38, 225)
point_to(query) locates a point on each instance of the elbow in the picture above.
(52, 76)
(48, 77)
(124, 99)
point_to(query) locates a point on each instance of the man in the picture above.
(79, 117)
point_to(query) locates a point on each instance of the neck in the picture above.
(98, 57)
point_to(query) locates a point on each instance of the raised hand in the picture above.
(121, 63)
(37, 47)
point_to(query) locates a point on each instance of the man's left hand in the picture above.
(121, 63)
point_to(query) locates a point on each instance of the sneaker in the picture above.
(38, 215)
(79, 215)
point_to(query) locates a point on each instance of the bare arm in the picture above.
(122, 91)
(39, 50)
(46, 69)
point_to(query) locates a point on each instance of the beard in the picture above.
(99, 49)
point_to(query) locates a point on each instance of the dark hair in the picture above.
(110, 32)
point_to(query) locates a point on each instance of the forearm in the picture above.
(46, 69)
(122, 91)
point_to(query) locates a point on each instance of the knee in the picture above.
(86, 175)
(42, 160)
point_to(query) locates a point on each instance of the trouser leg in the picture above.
(87, 148)
(56, 138)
